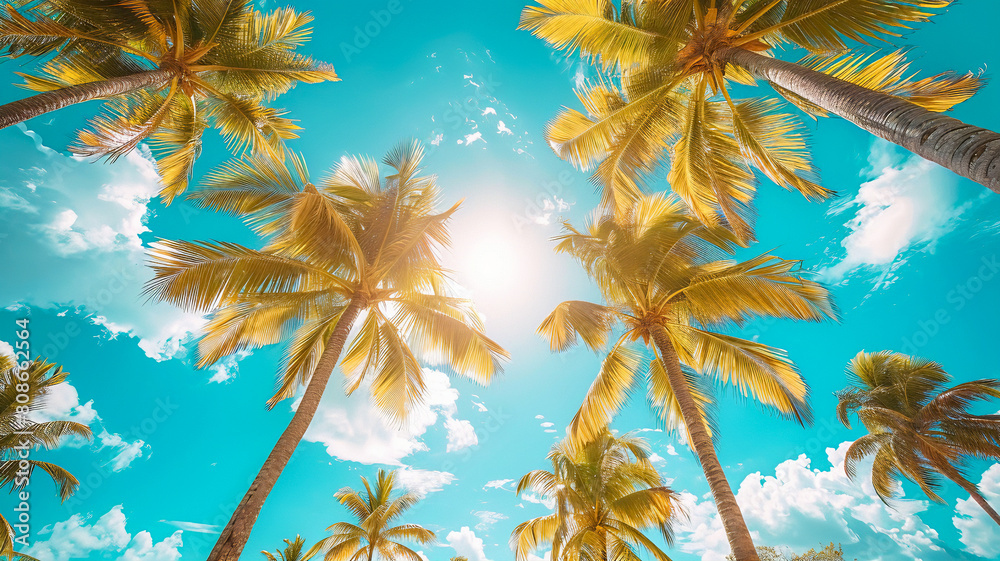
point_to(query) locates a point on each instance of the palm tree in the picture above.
(917, 428)
(663, 275)
(292, 552)
(358, 245)
(605, 494)
(675, 60)
(23, 391)
(168, 71)
(372, 537)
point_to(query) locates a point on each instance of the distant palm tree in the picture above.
(372, 538)
(459, 558)
(675, 57)
(357, 249)
(20, 435)
(605, 493)
(292, 552)
(168, 71)
(829, 553)
(669, 281)
(917, 428)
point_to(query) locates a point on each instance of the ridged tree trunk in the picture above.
(234, 537)
(39, 104)
(967, 150)
(737, 533)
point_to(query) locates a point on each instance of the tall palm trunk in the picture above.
(234, 537)
(23, 109)
(967, 150)
(729, 511)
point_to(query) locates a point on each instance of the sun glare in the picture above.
(489, 264)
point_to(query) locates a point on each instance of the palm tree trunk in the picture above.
(967, 150)
(234, 537)
(737, 533)
(23, 109)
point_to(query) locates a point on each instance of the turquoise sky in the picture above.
(910, 252)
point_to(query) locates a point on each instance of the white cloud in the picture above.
(62, 403)
(909, 205)
(227, 368)
(980, 535)
(502, 129)
(657, 459)
(498, 484)
(550, 207)
(76, 538)
(481, 407)
(533, 498)
(470, 138)
(461, 434)
(466, 544)
(436, 141)
(487, 519)
(489, 111)
(671, 450)
(125, 452)
(580, 76)
(539, 416)
(83, 224)
(196, 527)
(547, 556)
(800, 506)
(10, 199)
(142, 548)
(353, 430)
(421, 482)
(547, 424)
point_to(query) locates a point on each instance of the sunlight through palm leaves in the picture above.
(357, 248)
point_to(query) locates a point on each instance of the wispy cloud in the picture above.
(487, 519)
(195, 527)
(422, 482)
(504, 484)
(907, 205)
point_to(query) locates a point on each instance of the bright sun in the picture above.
(488, 265)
